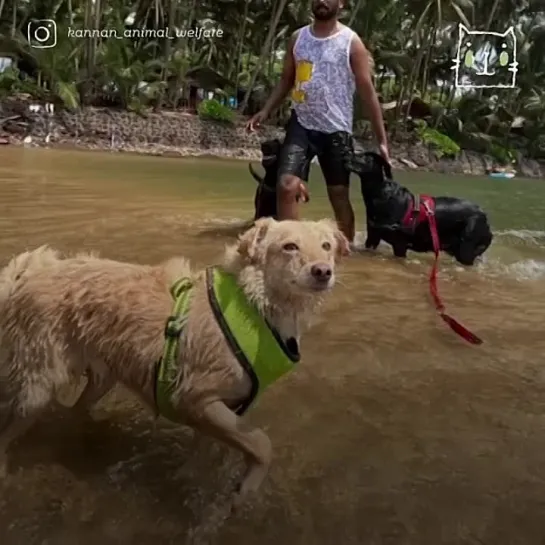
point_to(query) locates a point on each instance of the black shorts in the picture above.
(302, 145)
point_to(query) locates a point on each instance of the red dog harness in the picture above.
(422, 209)
(418, 211)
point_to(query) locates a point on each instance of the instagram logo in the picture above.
(42, 34)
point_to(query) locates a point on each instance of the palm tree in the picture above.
(275, 19)
(411, 42)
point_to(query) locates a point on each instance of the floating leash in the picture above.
(456, 326)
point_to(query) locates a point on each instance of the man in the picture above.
(324, 65)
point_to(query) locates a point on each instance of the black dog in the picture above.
(401, 219)
(265, 195)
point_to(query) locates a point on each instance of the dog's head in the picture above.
(270, 150)
(369, 166)
(294, 259)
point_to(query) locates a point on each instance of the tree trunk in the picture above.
(411, 84)
(427, 60)
(264, 52)
(14, 20)
(240, 47)
(88, 54)
(183, 46)
(355, 12)
(2, 2)
(165, 70)
(492, 13)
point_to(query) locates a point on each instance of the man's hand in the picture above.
(383, 149)
(303, 193)
(256, 120)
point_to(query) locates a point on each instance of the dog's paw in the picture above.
(237, 501)
(241, 502)
(242, 498)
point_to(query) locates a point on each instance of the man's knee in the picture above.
(288, 186)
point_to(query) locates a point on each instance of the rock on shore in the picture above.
(181, 134)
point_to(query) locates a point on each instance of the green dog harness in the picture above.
(256, 345)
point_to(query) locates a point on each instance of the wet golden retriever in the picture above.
(62, 317)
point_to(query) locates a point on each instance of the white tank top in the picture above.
(323, 95)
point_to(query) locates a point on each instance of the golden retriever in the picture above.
(62, 317)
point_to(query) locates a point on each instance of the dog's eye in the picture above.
(326, 246)
(290, 247)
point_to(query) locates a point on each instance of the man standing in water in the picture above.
(324, 65)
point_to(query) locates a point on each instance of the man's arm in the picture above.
(287, 79)
(360, 61)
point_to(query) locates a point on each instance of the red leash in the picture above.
(456, 326)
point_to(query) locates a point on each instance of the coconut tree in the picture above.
(411, 43)
(275, 19)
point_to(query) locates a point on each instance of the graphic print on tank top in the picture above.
(303, 74)
(324, 88)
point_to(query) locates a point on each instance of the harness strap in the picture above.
(167, 368)
(416, 206)
(411, 219)
(233, 344)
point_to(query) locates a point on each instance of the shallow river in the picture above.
(392, 431)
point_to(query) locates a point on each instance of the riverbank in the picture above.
(180, 134)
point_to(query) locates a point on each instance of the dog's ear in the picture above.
(378, 159)
(249, 241)
(343, 246)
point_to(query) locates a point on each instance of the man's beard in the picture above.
(324, 13)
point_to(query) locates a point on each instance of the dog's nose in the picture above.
(321, 271)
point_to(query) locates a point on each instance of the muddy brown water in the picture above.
(391, 431)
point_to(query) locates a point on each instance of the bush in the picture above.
(503, 155)
(12, 83)
(212, 109)
(444, 146)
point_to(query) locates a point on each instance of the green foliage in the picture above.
(13, 83)
(212, 109)
(443, 144)
(503, 155)
(412, 44)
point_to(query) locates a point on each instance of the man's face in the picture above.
(325, 10)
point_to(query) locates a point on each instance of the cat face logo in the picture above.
(485, 60)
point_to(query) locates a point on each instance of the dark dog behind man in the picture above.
(265, 195)
(399, 218)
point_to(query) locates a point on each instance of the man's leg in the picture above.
(339, 197)
(337, 178)
(295, 159)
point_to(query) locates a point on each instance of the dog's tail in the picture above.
(254, 174)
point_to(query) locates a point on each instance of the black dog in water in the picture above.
(265, 195)
(400, 218)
